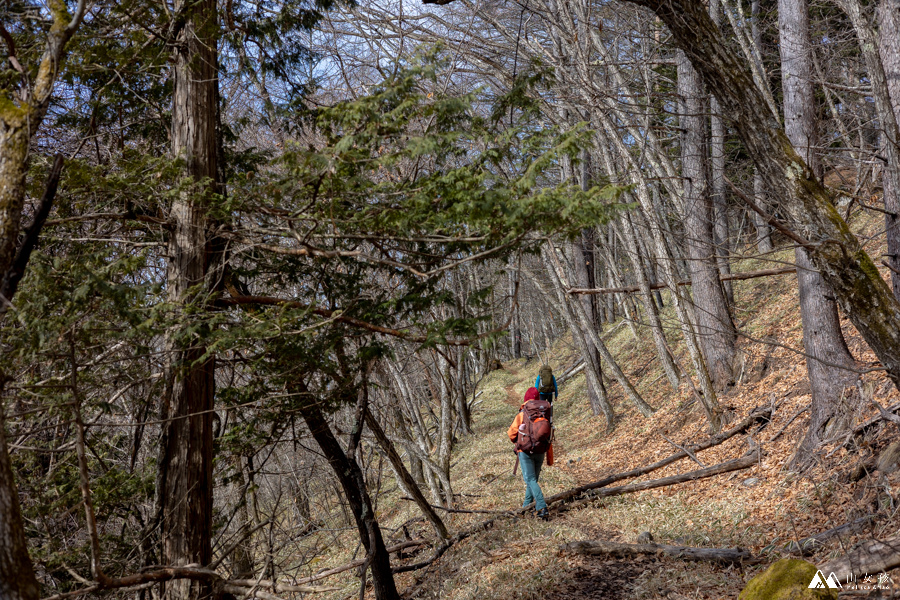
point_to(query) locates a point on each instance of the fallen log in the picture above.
(756, 415)
(869, 558)
(619, 550)
(736, 464)
(629, 289)
(812, 544)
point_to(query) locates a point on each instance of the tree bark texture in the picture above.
(721, 228)
(353, 483)
(823, 341)
(17, 580)
(186, 462)
(763, 230)
(806, 205)
(714, 326)
(889, 46)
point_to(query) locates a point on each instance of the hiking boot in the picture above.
(543, 514)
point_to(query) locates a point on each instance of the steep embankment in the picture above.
(762, 508)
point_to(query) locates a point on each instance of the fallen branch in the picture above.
(575, 370)
(813, 543)
(629, 289)
(871, 557)
(618, 550)
(789, 421)
(756, 415)
(460, 510)
(358, 563)
(439, 551)
(862, 427)
(161, 574)
(686, 450)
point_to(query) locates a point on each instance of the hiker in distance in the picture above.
(546, 384)
(532, 433)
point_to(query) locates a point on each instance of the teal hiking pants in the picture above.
(531, 471)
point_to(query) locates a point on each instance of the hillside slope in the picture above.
(763, 508)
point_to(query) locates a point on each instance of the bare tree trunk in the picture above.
(763, 230)
(714, 326)
(404, 478)
(670, 272)
(822, 337)
(17, 580)
(600, 402)
(186, 462)
(582, 258)
(888, 12)
(353, 483)
(515, 328)
(717, 172)
(559, 282)
(659, 337)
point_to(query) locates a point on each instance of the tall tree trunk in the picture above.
(806, 205)
(21, 114)
(354, 485)
(822, 337)
(558, 277)
(186, 462)
(763, 230)
(17, 580)
(714, 326)
(404, 477)
(659, 337)
(721, 228)
(592, 371)
(889, 46)
(515, 330)
(670, 273)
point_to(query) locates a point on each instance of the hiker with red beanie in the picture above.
(532, 433)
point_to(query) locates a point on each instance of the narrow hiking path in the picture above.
(762, 508)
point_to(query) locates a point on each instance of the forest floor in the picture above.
(762, 508)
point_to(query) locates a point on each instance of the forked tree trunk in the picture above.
(806, 205)
(186, 462)
(822, 338)
(714, 326)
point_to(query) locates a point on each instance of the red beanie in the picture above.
(531, 394)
